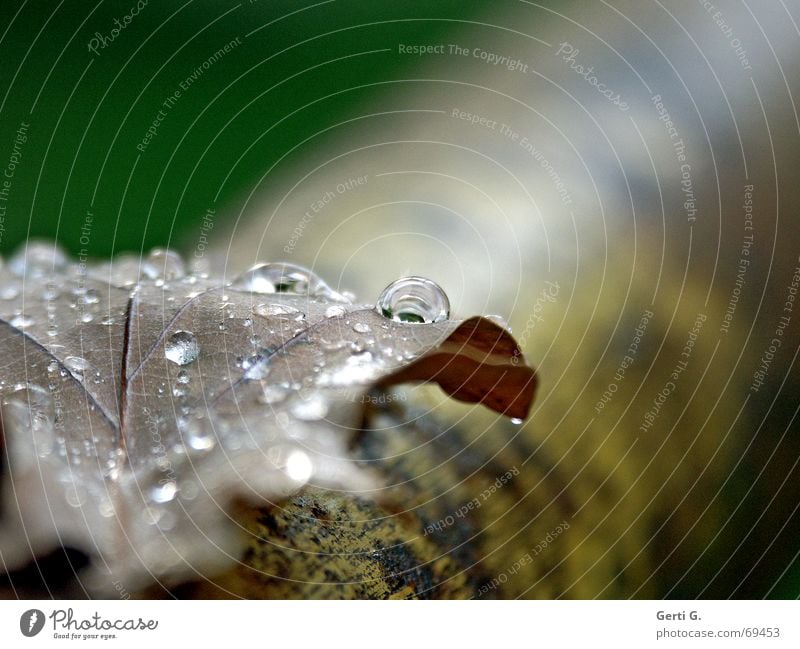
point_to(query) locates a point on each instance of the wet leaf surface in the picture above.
(138, 401)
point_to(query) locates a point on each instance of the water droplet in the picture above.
(163, 264)
(107, 320)
(335, 311)
(30, 406)
(52, 366)
(516, 420)
(284, 277)
(75, 495)
(50, 293)
(199, 434)
(37, 258)
(299, 467)
(362, 328)
(414, 299)
(86, 317)
(164, 492)
(256, 367)
(312, 408)
(250, 361)
(106, 508)
(183, 377)
(77, 365)
(188, 490)
(272, 394)
(279, 311)
(182, 348)
(9, 292)
(20, 321)
(91, 296)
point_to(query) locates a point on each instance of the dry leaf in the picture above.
(138, 400)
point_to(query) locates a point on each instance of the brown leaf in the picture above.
(137, 402)
(477, 363)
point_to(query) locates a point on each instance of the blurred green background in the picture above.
(308, 67)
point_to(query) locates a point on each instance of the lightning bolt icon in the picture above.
(32, 620)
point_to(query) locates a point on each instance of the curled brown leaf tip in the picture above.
(479, 362)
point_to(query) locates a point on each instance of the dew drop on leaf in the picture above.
(312, 408)
(37, 258)
(335, 311)
(31, 407)
(9, 292)
(414, 299)
(272, 394)
(163, 264)
(182, 348)
(20, 321)
(106, 508)
(75, 495)
(77, 365)
(279, 310)
(199, 434)
(275, 278)
(256, 368)
(163, 493)
(91, 296)
(285, 278)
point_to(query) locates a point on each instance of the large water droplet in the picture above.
(285, 278)
(279, 311)
(37, 258)
(21, 320)
(182, 348)
(31, 407)
(164, 264)
(77, 365)
(414, 299)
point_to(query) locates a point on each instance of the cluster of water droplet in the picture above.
(42, 276)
